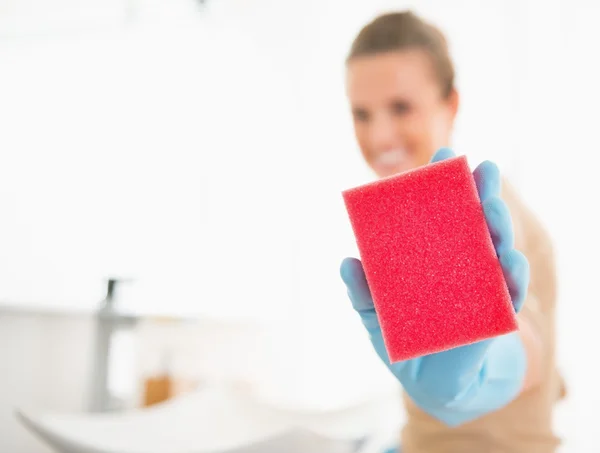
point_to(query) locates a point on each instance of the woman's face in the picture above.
(400, 115)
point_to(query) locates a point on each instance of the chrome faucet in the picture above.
(107, 321)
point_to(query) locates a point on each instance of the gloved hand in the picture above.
(463, 383)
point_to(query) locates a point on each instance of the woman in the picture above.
(492, 396)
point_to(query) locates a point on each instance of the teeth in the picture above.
(391, 158)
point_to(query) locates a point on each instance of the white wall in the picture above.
(139, 150)
(127, 149)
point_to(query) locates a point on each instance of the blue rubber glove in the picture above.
(463, 383)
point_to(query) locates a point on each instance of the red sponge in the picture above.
(429, 260)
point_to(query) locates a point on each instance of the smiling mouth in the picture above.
(391, 161)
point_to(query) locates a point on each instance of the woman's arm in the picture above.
(465, 383)
(533, 350)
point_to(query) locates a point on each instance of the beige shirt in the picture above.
(525, 424)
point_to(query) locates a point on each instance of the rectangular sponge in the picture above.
(429, 260)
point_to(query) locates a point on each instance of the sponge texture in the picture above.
(429, 260)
